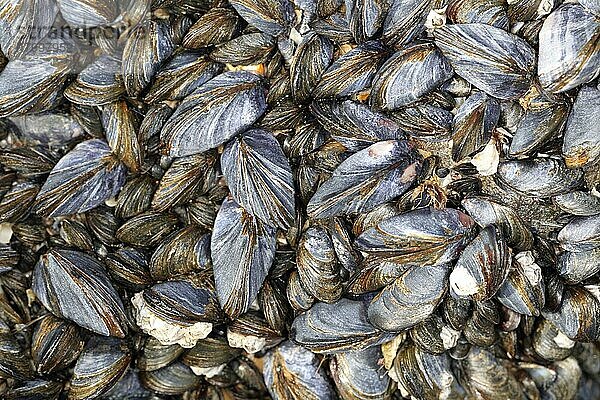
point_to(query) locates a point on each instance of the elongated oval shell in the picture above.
(410, 299)
(581, 145)
(490, 58)
(569, 53)
(367, 179)
(75, 286)
(408, 75)
(242, 249)
(204, 119)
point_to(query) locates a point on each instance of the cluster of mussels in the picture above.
(308, 199)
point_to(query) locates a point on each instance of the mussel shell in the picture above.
(541, 177)
(550, 343)
(318, 265)
(216, 26)
(209, 353)
(424, 235)
(358, 375)
(491, 12)
(337, 327)
(473, 124)
(410, 299)
(568, 54)
(352, 72)
(312, 58)
(489, 212)
(147, 229)
(580, 234)
(292, 372)
(576, 266)
(55, 344)
(542, 121)
(482, 266)
(14, 361)
(185, 251)
(99, 83)
(578, 316)
(148, 46)
(37, 389)
(408, 75)
(507, 60)
(578, 203)
(174, 379)
(405, 21)
(523, 290)
(581, 145)
(75, 286)
(100, 366)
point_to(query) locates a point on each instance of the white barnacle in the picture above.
(252, 344)
(167, 332)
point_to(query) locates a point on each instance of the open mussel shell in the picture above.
(421, 236)
(581, 145)
(358, 375)
(55, 344)
(394, 85)
(421, 374)
(185, 251)
(578, 316)
(100, 366)
(489, 212)
(523, 289)
(550, 343)
(90, 167)
(155, 355)
(482, 266)
(507, 60)
(292, 372)
(252, 333)
(209, 356)
(337, 327)
(541, 177)
(75, 286)
(176, 312)
(578, 203)
(473, 125)
(410, 299)
(387, 170)
(174, 379)
(353, 72)
(568, 56)
(318, 266)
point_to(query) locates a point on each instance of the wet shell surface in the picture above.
(299, 199)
